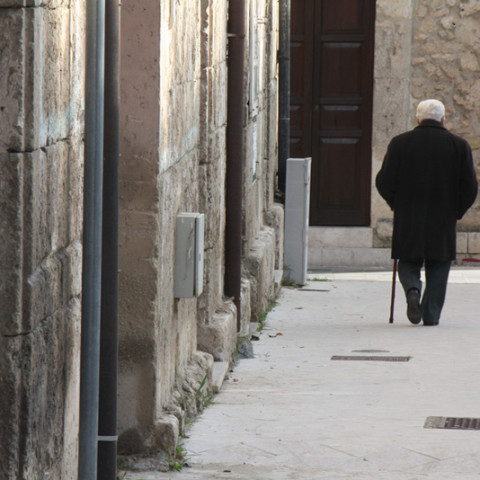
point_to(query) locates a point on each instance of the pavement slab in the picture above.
(292, 412)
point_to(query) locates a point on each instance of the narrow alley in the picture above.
(295, 412)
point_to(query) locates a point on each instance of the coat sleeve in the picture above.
(468, 182)
(386, 179)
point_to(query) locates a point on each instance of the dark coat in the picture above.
(429, 181)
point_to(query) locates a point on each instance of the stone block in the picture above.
(47, 202)
(39, 263)
(136, 393)
(261, 267)
(165, 435)
(473, 242)
(34, 113)
(11, 255)
(219, 373)
(219, 336)
(348, 257)
(275, 219)
(385, 228)
(462, 242)
(360, 237)
(37, 371)
(245, 308)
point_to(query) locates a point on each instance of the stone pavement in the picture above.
(294, 413)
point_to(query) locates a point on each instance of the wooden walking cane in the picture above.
(394, 278)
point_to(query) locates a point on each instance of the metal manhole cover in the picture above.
(375, 358)
(453, 423)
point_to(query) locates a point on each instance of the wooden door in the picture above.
(332, 45)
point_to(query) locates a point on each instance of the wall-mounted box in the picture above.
(189, 244)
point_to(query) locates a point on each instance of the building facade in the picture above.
(173, 160)
(375, 62)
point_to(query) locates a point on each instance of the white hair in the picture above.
(430, 110)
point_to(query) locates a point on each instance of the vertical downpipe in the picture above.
(284, 94)
(92, 235)
(107, 413)
(234, 175)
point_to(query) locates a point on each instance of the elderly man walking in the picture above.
(429, 181)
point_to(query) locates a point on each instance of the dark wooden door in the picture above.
(332, 45)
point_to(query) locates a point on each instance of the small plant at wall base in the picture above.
(120, 476)
(202, 385)
(286, 282)
(204, 400)
(178, 459)
(262, 317)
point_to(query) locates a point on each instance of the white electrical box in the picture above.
(297, 206)
(189, 246)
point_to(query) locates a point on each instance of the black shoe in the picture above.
(414, 312)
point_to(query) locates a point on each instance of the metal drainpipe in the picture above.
(234, 175)
(284, 94)
(92, 234)
(107, 413)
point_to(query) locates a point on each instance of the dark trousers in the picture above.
(436, 278)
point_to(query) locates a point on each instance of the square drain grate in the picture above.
(453, 423)
(373, 358)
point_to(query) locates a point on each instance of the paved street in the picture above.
(294, 413)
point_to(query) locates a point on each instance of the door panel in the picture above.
(332, 46)
(334, 58)
(341, 15)
(301, 54)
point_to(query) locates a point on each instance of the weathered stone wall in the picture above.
(173, 156)
(139, 126)
(262, 219)
(41, 107)
(446, 65)
(174, 159)
(216, 316)
(391, 100)
(426, 49)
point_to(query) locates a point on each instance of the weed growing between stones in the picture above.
(178, 459)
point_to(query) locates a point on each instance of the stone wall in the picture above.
(426, 49)
(173, 156)
(262, 219)
(174, 159)
(41, 125)
(445, 65)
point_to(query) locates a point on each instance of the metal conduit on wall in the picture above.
(234, 175)
(92, 234)
(284, 93)
(107, 414)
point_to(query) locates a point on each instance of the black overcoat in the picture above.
(429, 181)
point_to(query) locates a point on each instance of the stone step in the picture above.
(344, 247)
(319, 258)
(219, 372)
(358, 237)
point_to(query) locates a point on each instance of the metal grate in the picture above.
(453, 423)
(311, 290)
(374, 358)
